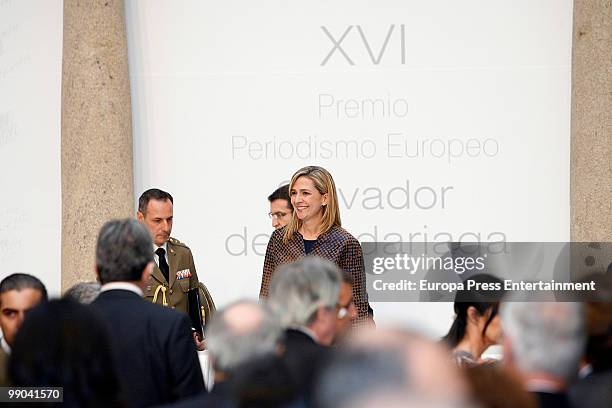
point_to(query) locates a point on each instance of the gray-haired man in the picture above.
(543, 343)
(305, 293)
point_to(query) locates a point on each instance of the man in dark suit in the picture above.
(305, 293)
(153, 345)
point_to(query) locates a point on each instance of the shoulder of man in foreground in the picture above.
(106, 299)
(170, 328)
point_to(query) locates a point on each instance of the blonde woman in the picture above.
(315, 229)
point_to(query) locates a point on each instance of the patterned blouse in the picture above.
(336, 245)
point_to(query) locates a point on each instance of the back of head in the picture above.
(123, 251)
(394, 359)
(83, 292)
(63, 343)
(480, 299)
(546, 337)
(20, 281)
(241, 332)
(400, 398)
(352, 373)
(299, 288)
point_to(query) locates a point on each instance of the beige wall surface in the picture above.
(591, 159)
(96, 130)
(97, 172)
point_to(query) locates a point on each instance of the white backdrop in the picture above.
(439, 120)
(30, 139)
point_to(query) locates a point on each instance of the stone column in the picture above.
(97, 174)
(591, 145)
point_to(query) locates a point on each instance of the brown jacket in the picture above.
(335, 245)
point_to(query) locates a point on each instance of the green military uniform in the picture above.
(182, 276)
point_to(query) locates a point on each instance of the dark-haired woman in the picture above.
(476, 325)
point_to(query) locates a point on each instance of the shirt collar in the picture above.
(585, 371)
(5, 346)
(543, 385)
(165, 246)
(307, 332)
(121, 286)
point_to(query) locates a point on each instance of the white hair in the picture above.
(298, 289)
(545, 336)
(241, 332)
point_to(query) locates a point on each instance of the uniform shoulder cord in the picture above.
(163, 289)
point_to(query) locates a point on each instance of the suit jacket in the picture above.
(593, 391)
(154, 350)
(219, 397)
(180, 259)
(213, 400)
(304, 360)
(552, 400)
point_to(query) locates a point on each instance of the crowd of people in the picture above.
(310, 340)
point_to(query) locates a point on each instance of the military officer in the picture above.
(174, 272)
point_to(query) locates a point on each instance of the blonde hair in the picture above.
(324, 183)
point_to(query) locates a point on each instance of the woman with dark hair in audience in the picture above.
(315, 229)
(64, 344)
(476, 325)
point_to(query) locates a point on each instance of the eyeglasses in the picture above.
(277, 215)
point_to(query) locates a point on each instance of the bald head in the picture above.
(241, 332)
(395, 359)
(244, 318)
